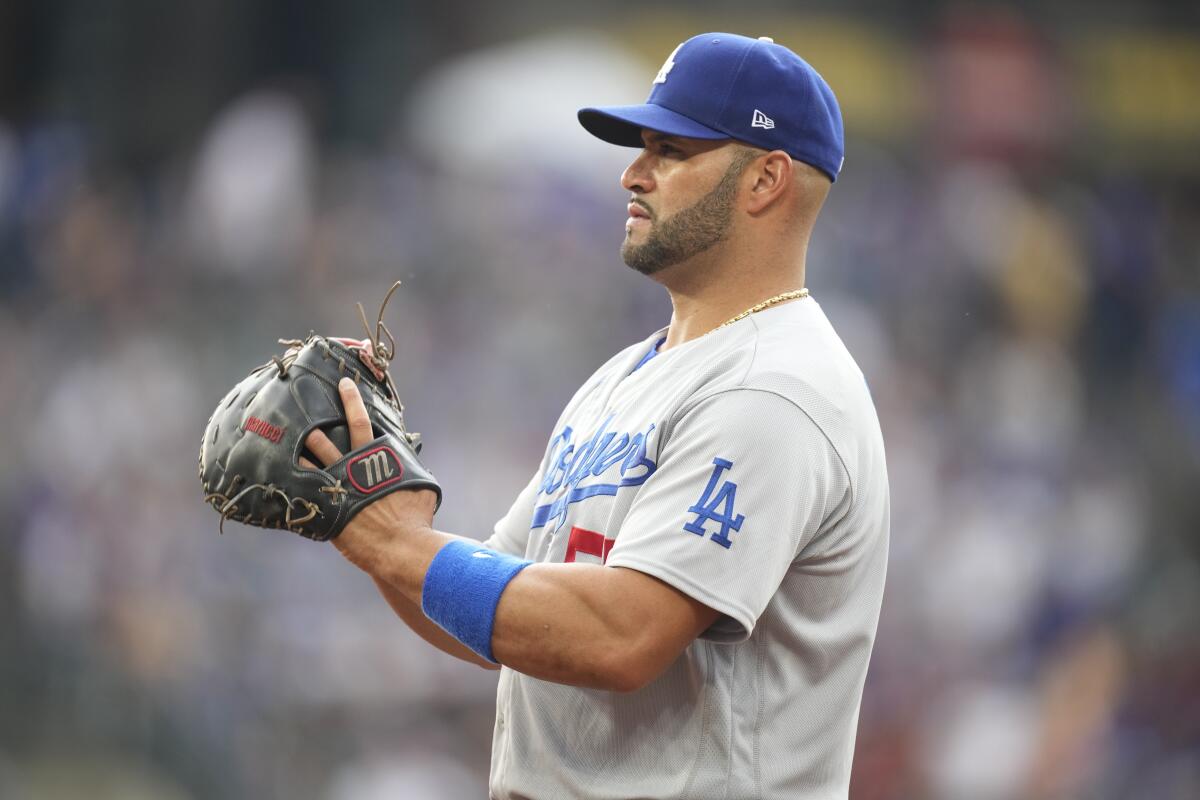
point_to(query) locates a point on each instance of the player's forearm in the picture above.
(412, 615)
(395, 552)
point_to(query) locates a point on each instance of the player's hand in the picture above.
(322, 446)
(397, 510)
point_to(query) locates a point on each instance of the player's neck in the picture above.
(698, 310)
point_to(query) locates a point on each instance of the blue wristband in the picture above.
(462, 589)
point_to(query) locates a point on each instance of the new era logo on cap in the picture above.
(761, 120)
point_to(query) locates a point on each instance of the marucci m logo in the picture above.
(374, 469)
(377, 467)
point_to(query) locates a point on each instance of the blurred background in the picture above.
(1012, 253)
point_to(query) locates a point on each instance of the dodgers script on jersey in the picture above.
(746, 469)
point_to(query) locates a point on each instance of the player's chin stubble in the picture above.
(688, 232)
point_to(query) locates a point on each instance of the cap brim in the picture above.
(623, 125)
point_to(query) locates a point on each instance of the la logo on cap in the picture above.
(667, 66)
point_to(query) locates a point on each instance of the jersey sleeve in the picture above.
(511, 532)
(744, 481)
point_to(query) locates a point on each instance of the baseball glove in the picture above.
(249, 457)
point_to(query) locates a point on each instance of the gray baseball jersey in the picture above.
(746, 469)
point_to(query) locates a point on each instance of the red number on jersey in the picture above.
(592, 543)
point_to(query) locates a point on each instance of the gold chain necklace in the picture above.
(795, 294)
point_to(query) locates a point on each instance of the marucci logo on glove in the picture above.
(272, 433)
(374, 469)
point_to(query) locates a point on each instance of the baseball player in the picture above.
(683, 600)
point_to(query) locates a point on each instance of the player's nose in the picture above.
(636, 177)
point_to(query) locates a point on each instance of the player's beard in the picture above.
(688, 232)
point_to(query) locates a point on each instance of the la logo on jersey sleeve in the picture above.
(716, 506)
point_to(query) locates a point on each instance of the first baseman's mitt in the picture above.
(249, 458)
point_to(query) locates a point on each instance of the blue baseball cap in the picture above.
(725, 86)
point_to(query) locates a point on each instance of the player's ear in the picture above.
(772, 174)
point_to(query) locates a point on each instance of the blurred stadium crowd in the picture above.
(1012, 253)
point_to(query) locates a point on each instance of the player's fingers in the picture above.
(320, 446)
(356, 414)
(304, 462)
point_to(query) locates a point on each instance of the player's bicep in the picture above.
(595, 626)
(667, 619)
